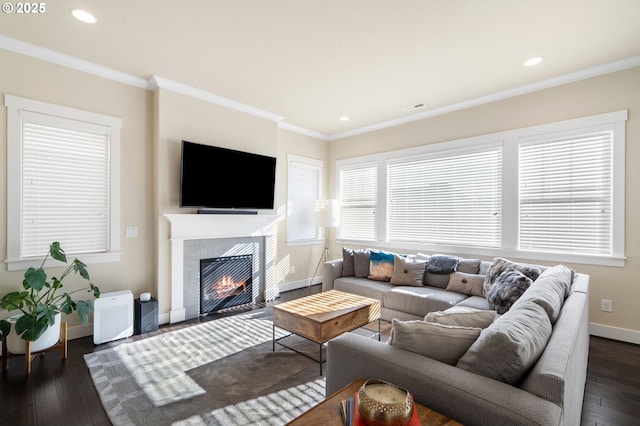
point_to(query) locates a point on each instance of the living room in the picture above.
(158, 113)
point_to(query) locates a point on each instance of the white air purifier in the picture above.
(112, 316)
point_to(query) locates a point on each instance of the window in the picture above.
(358, 188)
(553, 192)
(63, 182)
(453, 197)
(565, 194)
(303, 195)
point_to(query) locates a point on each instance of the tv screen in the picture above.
(214, 177)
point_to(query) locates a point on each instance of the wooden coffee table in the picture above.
(323, 316)
(327, 413)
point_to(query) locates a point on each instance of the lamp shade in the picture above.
(329, 214)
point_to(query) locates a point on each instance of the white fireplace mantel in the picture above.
(198, 226)
(208, 226)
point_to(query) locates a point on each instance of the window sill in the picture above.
(87, 258)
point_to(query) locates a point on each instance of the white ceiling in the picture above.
(313, 61)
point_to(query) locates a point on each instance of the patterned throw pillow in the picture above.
(380, 265)
(508, 287)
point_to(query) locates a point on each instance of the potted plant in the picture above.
(42, 300)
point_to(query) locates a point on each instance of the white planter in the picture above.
(50, 337)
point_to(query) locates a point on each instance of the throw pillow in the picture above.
(441, 264)
(347, 262)
(469, 266)
(361, 263)
(550, 290)
(469, 284)
(499, 265)
(443, 343)
(508, 287)
(408, 271)
(508, 349)
(462, 316)
(380, 265)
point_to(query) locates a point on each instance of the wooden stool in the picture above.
(29, 356)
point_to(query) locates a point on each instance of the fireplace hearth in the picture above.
(225, 282)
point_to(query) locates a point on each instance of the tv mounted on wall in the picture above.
(222, 178)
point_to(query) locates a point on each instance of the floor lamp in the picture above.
(328, 217)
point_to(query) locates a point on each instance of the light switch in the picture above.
(131, 231)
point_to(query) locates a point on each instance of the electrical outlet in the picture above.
(606, 305)
(292, 270)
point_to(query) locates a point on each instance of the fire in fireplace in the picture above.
(225, 282)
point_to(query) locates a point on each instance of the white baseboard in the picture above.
(295, 285)
(615, 333)
(79, 331)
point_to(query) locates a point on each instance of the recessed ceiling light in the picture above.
(344, 118)
(84, 16)
(533, 61)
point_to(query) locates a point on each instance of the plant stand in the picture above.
(29, 356)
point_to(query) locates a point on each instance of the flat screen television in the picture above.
(222, 178)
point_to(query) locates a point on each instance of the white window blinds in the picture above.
(303, 195)
(446, 198)
(358, 186)
(65, 185)
(566, 194)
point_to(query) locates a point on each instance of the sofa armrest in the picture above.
(461, 395)
(332, 270)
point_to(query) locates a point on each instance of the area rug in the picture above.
(220, 372)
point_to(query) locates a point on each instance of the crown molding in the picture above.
(303, 131)
(160, 82)
(522, 90)
(155, 82)
(38, 52)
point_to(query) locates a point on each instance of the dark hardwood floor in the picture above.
(62, 392)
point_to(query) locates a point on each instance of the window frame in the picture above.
(510, 141)
(15, 106)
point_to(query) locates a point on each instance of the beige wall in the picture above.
(31, 78)
(612, 92)
(304, 258)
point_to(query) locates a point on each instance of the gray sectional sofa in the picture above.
(526, 365)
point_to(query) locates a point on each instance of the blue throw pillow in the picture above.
(380, 265)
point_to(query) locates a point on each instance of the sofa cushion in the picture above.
(408, 271)
(347, 262)
(442, 264)
(362, 287)
(470, 284)
(462, 316)
(509, 347)
(436, 280)
(361, 263)
(477, 302)
(380, 265)
(420, 300)
(499, 265)
(550, 290)
(443, 343)
(508, 287)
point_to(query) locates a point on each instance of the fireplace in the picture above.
(225, 282)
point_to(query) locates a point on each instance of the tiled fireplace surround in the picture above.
(203, 236)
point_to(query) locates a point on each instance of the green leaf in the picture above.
(68, 306)
(30, 328)
(81, 268)
(5, 328)
(57, 253)
(34, 279)
(84, 308)
(95, 289)
(14, 300)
